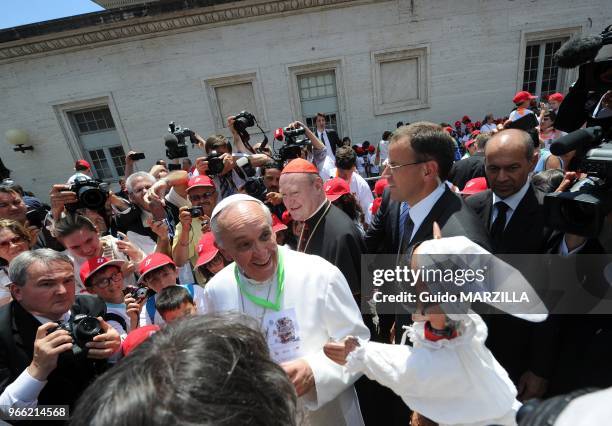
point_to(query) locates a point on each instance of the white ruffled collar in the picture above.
(471, 328)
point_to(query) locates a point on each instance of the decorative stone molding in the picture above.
(185, 20)
(401, 79)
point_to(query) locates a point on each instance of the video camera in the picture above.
(82, 329)
(91, 193)
(583, 208)
(175, 141)
(293, 146)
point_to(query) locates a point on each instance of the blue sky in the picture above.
(20, 12)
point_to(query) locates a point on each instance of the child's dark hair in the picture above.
(172, 298)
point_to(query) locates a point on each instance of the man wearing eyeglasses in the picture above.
(202, 195)
(420, 158)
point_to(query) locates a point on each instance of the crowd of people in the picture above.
(186, 297)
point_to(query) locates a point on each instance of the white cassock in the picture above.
(315, 306)
(452, 382)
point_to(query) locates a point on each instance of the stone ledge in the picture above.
(144, 26)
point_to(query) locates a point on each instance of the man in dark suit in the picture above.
(512, 210)
(36, 362)
(471, 167)
(329, 137)
(420, 158)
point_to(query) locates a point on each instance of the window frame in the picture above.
(295, 70)
(566, 77)
(64, 109)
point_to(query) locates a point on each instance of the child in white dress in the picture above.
(447, 375)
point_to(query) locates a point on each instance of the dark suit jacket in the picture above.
(450, 212)
(17, 334)
(466, 169)
(383, 234)
(334, 140)
(520, 345)
(527, 231)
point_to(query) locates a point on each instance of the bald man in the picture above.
(512, 210)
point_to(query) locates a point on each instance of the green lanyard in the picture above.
(280, 275)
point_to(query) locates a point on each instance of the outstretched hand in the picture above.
(339, 351)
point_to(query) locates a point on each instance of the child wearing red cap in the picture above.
(522, 100)
(103, 277)
(158, 271)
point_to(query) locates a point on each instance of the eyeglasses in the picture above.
(196, 197)
(13, 241)
(393, 168)
(105, 282)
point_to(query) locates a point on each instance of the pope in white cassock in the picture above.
(301, 301)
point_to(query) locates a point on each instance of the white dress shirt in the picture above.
(420, 210)
(322, 135)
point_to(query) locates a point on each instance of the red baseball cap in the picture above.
(371, 148)
(375, 205)
(82, 163)
(206, 249)
(478, 124)
(277, 224)
(94, 264)
(152, 262)
(201, 180)
(379, 186)
(522, 96)
(299, 165)
(556, 97)
(470, 143)
(136, 337)
(457, 123)
(286, 218)
(448, 129)
(474, 186)
(335, 188)
(466, 119)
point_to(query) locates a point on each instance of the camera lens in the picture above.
(85, 329)
(92, 197)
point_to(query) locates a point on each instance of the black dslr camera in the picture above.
(242, 121)
(82, 328)
(175, 141)
(215, 164)
(91, 193)
(254, 186)
(293, 146)
(583, 208)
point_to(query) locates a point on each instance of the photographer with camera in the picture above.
(318, 155)
(147, 222)
(37, 362)
(220, 165)
(194, 222)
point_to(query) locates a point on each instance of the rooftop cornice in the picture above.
(139, 26)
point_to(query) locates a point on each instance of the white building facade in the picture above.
(99, 86)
